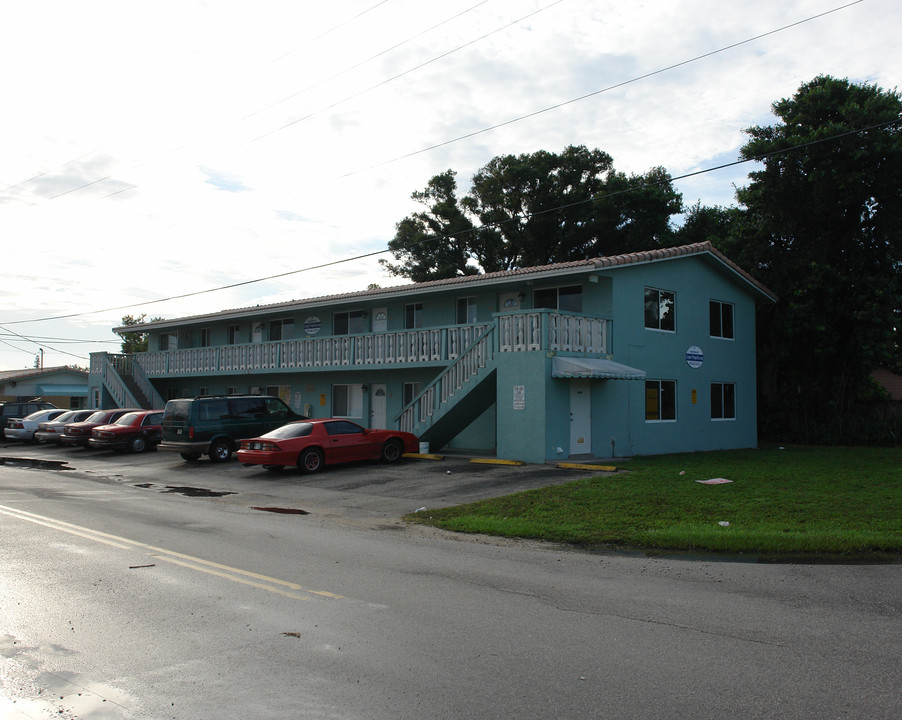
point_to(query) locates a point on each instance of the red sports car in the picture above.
(134, 431)
(312, 444)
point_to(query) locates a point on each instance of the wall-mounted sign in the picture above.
(695, 357)
(312, 325)
(519, 397)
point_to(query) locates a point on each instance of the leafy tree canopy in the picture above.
(533, 209)
(135, 342)
(822, 228)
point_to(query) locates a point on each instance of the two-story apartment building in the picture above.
(643, 353)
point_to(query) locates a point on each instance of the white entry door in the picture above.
(380, 320)
(377, 406)
(580, 417)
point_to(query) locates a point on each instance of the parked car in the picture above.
(21, 409)
(312, 444)
(215, 425)
(50, 431)
(134, 431)
(79, 433)
(24, 428)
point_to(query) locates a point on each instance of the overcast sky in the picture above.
(155, 149)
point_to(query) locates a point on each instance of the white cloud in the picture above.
(158, 149)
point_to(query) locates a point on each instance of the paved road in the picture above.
(126, 595)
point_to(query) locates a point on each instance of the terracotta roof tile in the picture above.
(589, 264)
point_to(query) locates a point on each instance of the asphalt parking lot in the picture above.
(355, 491)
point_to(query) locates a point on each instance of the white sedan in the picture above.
(23, 429)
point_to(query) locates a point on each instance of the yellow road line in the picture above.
(245, 577)
(587, 466)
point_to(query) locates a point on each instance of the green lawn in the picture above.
(797, 500)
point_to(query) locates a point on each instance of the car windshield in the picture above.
(98, 416)
(292, 430)
(127, 419)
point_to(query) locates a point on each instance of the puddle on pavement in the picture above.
(186, 491)
(196, 492)
(35, 464)
(281, 510)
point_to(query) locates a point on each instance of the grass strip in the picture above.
(792, 500)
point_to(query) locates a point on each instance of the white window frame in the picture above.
(718, 395)
(660, 398)
(351, 405)
(721, 305)
(660, 292)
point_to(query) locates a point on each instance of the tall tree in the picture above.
(534, 209)
(433, 243)
(824, 231)
(135, 342)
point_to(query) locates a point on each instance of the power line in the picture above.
(615, 86)
(402, 74)
(593, 198)
(364, 62)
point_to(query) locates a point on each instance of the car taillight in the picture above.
(17, 425)
(191, 432)
(257, 445)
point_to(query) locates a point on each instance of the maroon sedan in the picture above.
(312, 444)
(134, 431)
(79, 433)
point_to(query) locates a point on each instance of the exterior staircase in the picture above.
(125, 381)
(462, 391)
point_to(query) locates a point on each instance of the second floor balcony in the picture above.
(531, 331)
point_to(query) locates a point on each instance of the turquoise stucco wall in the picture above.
(662, 355)
(536, 431)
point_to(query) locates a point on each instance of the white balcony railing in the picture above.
(515, 332)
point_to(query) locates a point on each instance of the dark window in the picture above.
(213, 410)
(281, 329)
(466, 310)
(723, 401)
(205, 337)
(276, 408)
(233, 334)
(660, 400)
(567, 299)
(349, 323)
(410, 391)
(343, 427)
(721, 314)
(413, 316)
(660, 309)
(249, 408)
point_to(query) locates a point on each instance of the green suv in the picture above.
(215, 426)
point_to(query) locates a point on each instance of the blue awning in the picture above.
(578, 367)
(59, 390)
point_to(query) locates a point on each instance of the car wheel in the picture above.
(190, 457)
(311, 460)
(137, 445)
(392, 451)
(220, 451)
(274, 468)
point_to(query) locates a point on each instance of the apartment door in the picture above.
(377, 406)
(580, 417)
(380, 320)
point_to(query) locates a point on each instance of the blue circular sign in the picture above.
(695, 357)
